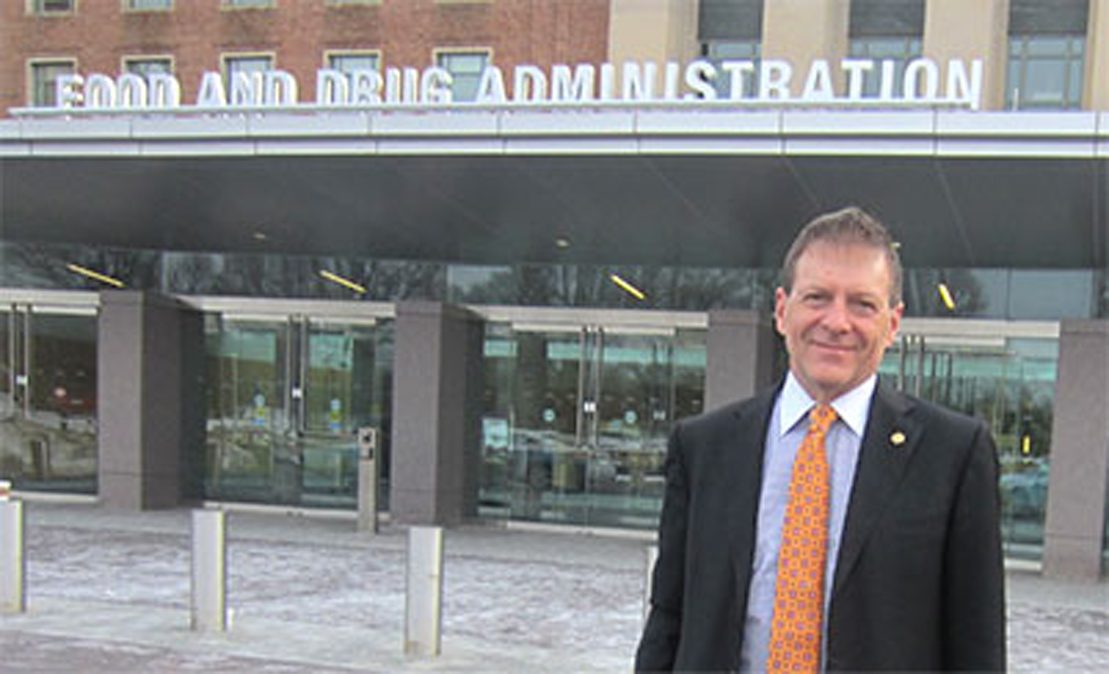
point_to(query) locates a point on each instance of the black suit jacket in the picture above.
(919, 583)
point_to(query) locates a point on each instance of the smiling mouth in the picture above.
(838, 348)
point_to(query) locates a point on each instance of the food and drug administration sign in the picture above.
(922, 82)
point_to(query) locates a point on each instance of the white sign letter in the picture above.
(211, 94)
(164, 91)
(639, 85)
(529, 85)
(331, 87)
(577, 86)
(490, 89)
(774, 77)
(131, 90)
(68, 90)
(100, 92)
(700, 77)
(279, 88)
(964, 88)
(818, 85)
(737, 70)
(912, 89)
(435, 85)
(856, 72)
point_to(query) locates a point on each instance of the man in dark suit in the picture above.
(909, 573)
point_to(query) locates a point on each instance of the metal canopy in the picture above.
(1030, 193)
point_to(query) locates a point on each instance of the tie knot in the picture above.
(821, 418)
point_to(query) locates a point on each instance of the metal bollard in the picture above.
(209, 571)
(423, 617)
(13, 565)
(649, 579)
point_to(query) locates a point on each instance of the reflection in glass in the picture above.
(48, 400)
(1009, 383)
(284, 400)
(576, 420)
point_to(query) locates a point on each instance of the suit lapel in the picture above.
(888, 444)
(745, 463)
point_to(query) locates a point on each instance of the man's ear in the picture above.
(780, 297)
(895, 321)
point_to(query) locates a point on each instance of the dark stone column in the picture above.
(149, 399)
(437, 383)
(742, 356)
(1078, 485)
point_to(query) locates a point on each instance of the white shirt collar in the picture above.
(852, 407)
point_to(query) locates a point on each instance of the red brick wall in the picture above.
(99, 34)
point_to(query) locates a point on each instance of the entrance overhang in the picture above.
(650, 185)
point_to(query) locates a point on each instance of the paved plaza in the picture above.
(109, 592)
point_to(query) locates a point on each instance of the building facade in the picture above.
(521, 238)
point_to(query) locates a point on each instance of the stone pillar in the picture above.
(149, 398)
(652, 30)
(742, 356)
(802, 31)
(1096, 94)
(437, 384)
(957, 29)
(1078, 486)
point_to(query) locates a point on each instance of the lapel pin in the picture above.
(898, 438)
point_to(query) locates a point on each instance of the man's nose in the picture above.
(836, 316)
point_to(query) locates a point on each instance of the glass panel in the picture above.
(145, 67)
(900, 50)
(576, 423)
(1010, 384)
(339, 397)
(466, 69)
(284, 401)
(149, 4)
(248, 459)
(48, 401)
(348, 63)
(44, 77)
(633, 421)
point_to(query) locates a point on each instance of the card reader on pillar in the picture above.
(367, 442)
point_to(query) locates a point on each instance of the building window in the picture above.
(348, 62)
(148, 5)
(731, 30)
(250, 63)
(1047, 54)
(717, 52)
(44, 77)
(886, 30)
(465, 68)
(145, 65)
(248, 3)
(52, 6)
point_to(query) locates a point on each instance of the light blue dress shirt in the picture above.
(787, 429)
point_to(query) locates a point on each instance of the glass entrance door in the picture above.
(1008, 381)
(285, 396)
(577, 420)
(48, 398)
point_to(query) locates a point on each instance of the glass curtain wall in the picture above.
(576, 420)
(731, 30)
(48, 398)
(285, 396)
(1047, 45)
(1009, 383)
(886, 30)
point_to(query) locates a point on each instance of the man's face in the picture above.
(837, 321)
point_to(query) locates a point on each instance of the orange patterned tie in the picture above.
(795, 631)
